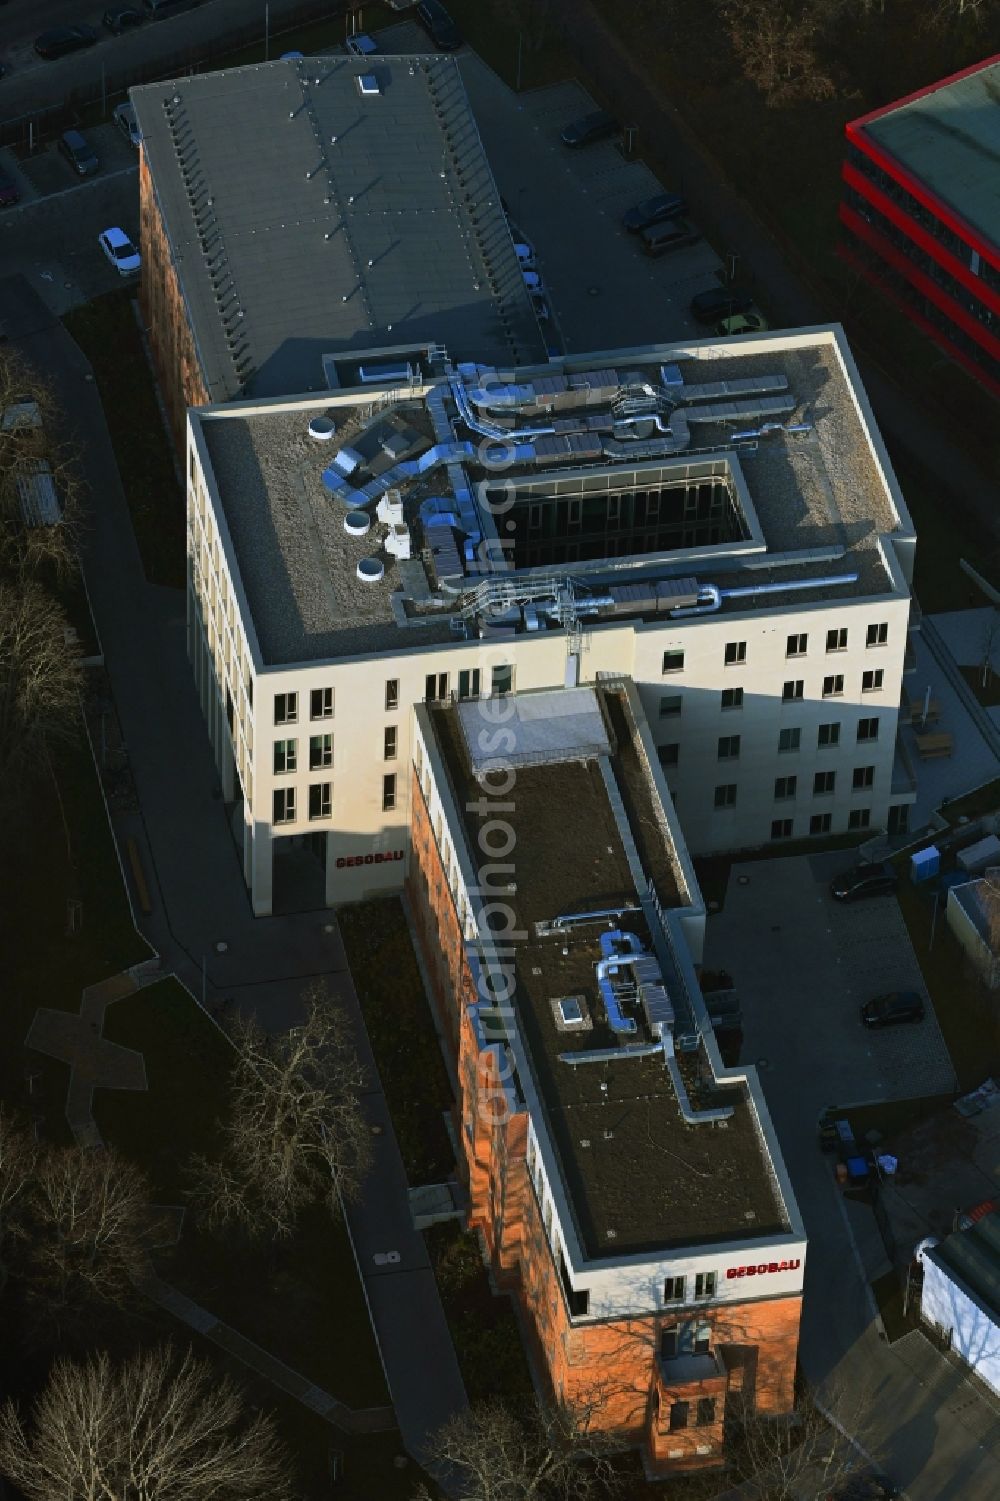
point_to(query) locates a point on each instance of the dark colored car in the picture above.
(64, 39)
(888, 1010)
(716, 303)
(9, 192)
(78, 151)
(872, 879)
(653, 211)
(672, 234)
(438, 25)
(590, 128)
(120, 18)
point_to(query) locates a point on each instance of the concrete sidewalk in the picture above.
(199, 899)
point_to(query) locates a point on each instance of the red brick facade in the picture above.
(608, 1370)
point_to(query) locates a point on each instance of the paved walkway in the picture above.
(196, 881)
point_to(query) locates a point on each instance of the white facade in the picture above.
(972, 1328)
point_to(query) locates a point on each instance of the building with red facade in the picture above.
(627, 1185)
(921, 212)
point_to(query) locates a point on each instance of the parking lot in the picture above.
(803, 965)
(50, 237)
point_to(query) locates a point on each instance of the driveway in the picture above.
(801, 988)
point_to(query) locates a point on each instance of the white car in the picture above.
(120, 251)
(361, 45)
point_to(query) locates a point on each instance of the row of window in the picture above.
(786, 788)
(797, 645)
(822, 823)
(437, 686)
(789, 739)
(792, 692)
(285, 800)
(675, 1288)
(927, 220)
(286, 705)
(286, 752)
(680, 1414)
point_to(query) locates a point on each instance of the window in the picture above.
(321, 703)
(725, 796)
(732, 698)
(389, 742)
(828, 735)
(705, 1412)
(673, 1292)
(833, 686)
(729, 747)
(673, 661)
(820, 823)
(871, 682)
(837, 640)
(864, 777)
(670, 705)
(867, 729)
(392, 695)
(285, 756)
(678, 1416)
(284, 805)
(823, 783)
(796, 646)
(320, 799)
(468, 682)
(577, 1298)
(859, 818)
(286, 708)
(736, 653)
(792, 690)
(669, 754)
(502, 680)
(784, 788)
(877, 635)
(389, 792)
(788, 740)
(781, 828)
(704, 1285)
(436, 687)
(698, 1337)
(320, 751)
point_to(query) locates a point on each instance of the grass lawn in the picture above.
(484, 1328)
(40, 963)
(401, 1030)
(301, 1301)
(107, 332)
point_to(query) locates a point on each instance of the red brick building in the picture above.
(921, 214)
(627, 1187)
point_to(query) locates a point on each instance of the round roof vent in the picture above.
(370, 570)
(357, 523)
(322, 429)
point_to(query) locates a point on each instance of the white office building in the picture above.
(717, 522)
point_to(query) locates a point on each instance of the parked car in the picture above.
(541, 307)
(438, 25)
(361, 45)
(590, 128)
(9, 191)
(741, 323)
(121, 18)
(894, 1007)
(120, 251)
(653, 211)
(525, 254)
(719, 302)
(532, 281)
(63, 39)
(124, 117)
(874, 878)
(672, 234)
(79, 152)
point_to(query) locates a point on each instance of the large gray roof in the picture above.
(306, 218)
(950, 140)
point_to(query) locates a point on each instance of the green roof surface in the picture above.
(974, 1255)
(950, 140)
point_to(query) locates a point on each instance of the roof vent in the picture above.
(357, 524)
(368, 85)
(371, 570)
(322, 429)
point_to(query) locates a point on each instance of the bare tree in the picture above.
(18, 1155)
(83, 1226)
(156, 1428)
(776, 45)
(782, 1458)
(40, 680)
(542, 1456)
(32, 454)
(295, 1134)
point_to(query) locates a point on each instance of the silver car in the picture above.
(124, 118)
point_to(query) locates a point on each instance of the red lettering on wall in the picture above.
(347, 861)
(762, 1268)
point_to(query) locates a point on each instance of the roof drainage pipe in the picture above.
(691, 1116)
(612, 1055)
(566, 918)
(710, 596)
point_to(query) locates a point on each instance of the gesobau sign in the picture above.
(762, 1269)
